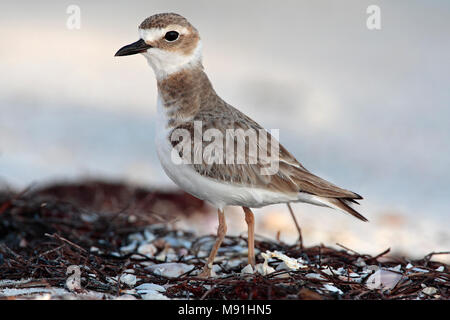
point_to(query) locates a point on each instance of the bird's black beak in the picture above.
(134, 48)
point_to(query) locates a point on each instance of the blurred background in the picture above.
(365, 109)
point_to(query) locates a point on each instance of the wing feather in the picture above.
(291, 177)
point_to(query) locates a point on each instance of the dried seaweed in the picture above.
(46, 231)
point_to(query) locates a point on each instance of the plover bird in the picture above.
(188, 104)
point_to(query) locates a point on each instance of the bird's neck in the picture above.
(184, 93)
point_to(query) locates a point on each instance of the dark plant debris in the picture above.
(109, 231)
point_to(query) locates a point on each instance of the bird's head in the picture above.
(169, 42)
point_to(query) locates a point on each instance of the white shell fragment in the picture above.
(360, 262)
(340, 271)
(147, 250)
(129, 248)
(129, 279)
(383, 279)
(94, 250)
(315, 276)
(264, 269)
(397, 268)
(149, 236)
(143, 288)
(291, 263)
(233, 263)
(282, 266)
(431, 291)
(248, 269)
(332, 288)
(168, 254)
(10, 292)
(153, 295)
(170, 269)
(138, 237)
(176, 242)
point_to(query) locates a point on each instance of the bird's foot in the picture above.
(206, 273)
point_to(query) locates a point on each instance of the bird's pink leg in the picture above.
(221, 231)
(250, 219)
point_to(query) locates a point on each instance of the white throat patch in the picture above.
(166, 62)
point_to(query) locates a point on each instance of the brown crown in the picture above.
(163, 20)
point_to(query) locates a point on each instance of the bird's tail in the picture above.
(342, 204)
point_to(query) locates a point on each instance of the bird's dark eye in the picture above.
(171, 36)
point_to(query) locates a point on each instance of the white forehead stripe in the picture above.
(155, 34)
